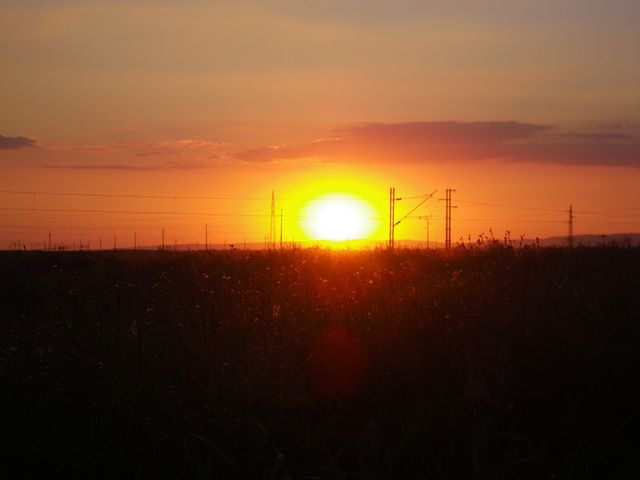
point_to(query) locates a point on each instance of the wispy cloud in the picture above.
(156, 153)
(593, 153)
(447, 132)
(17, 143)
(145, 155)
(370, 143)
(164, 166)
(102, 167)
(450, 141)
(604, 137)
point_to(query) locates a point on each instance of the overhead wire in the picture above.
(135, 212)
(115, 195)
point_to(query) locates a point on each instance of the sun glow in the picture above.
(339, 217)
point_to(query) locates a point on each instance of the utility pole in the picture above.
(428, 219)
(163, 239)
(447, 228)
(272, 229)
(206, 236)
(428, 222)
(49, 240)
(281, 210)
(570, 222)
(392, 213)
(135, 240)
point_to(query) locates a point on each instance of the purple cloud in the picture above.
(605, 154)
(17, 143)
(446, 132)
(448, 141)
(165, 166)
(102, 167)
(598, 136)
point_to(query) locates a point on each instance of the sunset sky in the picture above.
(126, 118)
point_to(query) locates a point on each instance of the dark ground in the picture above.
(491, 363)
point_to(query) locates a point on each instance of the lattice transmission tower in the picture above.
(272, 230)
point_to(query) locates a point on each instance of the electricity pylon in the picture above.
(272, 230)
(570, 222)
(428, 219)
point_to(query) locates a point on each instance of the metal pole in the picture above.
(392, 206)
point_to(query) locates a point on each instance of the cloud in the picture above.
(370, 143)
(101, 167)
(447, 132)
(404, 142)
(155, 153)
(419, 142)
(594, 153)
(318, 149)
(165, 166)
(17, 143)
(144, 155)
(170, 148)
(598, 136)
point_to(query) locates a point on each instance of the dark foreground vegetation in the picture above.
(309, 364)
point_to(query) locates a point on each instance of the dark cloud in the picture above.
(17, 143)
(164, 166)
(101, 167)
(606, 137)
(137, 156)
(447, 132)
(450, 141)
(605, 154)
(404, 142)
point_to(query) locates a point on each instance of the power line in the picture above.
(415, 196)
(120, 212)
(510, 206)
(426, 197)
(392, 211)
(582, 212)
(510, 220)
(164, 197)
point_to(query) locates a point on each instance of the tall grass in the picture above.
(489, 362)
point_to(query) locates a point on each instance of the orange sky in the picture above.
(137, 107)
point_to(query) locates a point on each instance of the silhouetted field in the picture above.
(492, 363)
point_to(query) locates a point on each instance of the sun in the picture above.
(339, 217)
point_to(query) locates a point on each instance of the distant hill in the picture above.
(621, 239)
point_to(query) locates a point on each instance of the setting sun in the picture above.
(339, 217)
